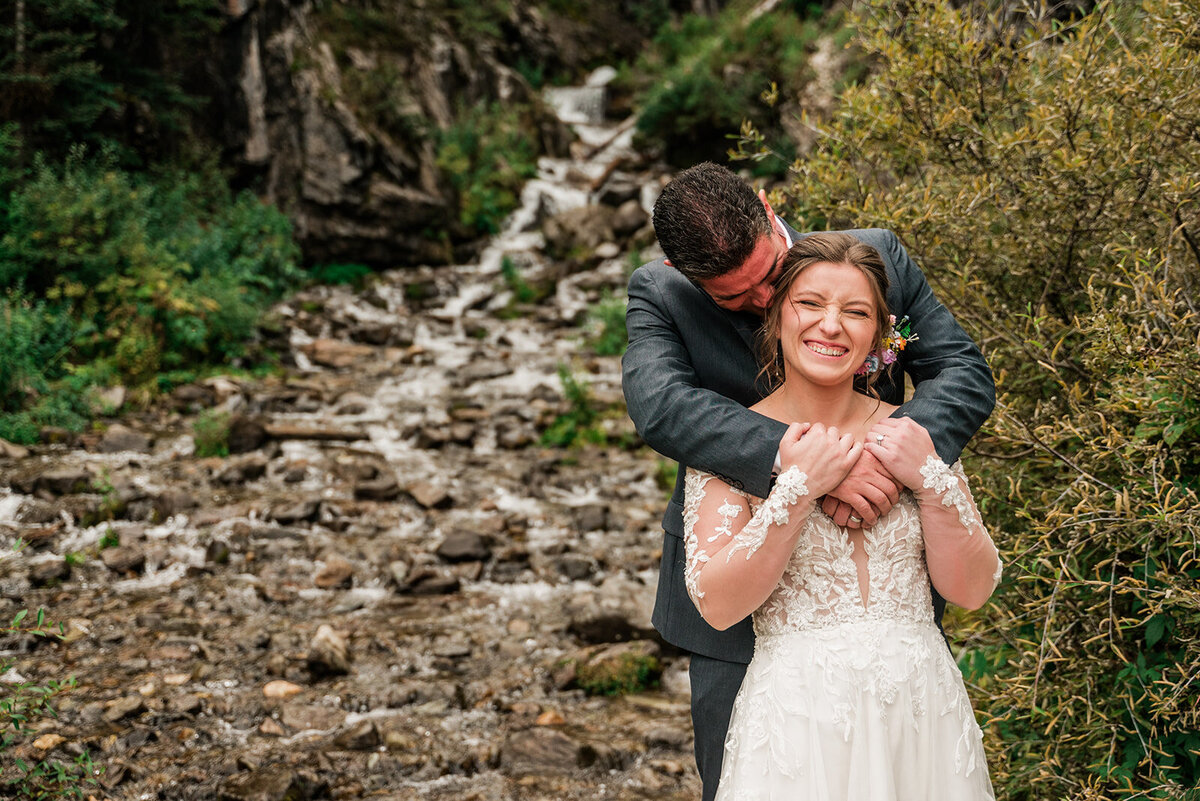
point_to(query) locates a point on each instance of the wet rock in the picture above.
(171, 502)
(539, 750)
(193, 398)
(292, 513)
(675, 739)
(243, 469)
(281, 689)
(398, 570)
(123, 559)
(429, 495)
(270, 783)
(336, 353)
(271, 728)
(305, 717)
(352, 403)
(188, 704)
(629, 218)
(11, 450)
(383, 487)
(216, 552)
(428, 581)
(591, 517)
(363, 736)
(328, 653)
(119, 438)
(65, 481)
(603, 627)
(49, 573)
(122, 708)
(36, 512)
(337, 572)
(464, 546)
(246, 434)
(575, 567)
(618, 668)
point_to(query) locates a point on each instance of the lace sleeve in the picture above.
(955, 491)
(699, 546)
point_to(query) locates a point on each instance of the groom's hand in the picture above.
(865, 495)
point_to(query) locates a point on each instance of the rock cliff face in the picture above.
(359, 189)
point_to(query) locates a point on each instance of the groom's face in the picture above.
(749, 288)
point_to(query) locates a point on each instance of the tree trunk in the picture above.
(19, 33)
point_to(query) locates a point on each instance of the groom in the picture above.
(689, 374)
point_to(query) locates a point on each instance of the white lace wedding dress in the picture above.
(844, 700)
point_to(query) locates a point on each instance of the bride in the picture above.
(852, 693)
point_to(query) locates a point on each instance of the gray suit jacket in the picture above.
(689, 374)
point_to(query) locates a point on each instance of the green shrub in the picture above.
(1044, 176)
(578, 424)
(126, 276)
(487, 156)
(704, 75)
(605, 326)
(210, 433)
(352, 274)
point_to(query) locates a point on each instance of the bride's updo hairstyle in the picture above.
(836, 248)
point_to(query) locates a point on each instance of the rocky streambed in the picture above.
(390, 588)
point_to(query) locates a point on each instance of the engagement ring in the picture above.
(879, 439)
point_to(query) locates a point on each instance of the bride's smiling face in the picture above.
(829, 323)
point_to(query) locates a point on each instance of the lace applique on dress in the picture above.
(789, 487)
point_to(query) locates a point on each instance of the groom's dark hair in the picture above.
(708, 221)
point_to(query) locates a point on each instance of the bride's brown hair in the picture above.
(835, 248)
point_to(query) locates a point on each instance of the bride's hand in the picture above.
(823, 453)
(901, 445)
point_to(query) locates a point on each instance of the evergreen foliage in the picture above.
(704, 75)
(100, 71)
(1045, 176)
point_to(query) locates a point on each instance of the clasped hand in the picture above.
(860, 483)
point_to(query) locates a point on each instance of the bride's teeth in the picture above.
(827, 351)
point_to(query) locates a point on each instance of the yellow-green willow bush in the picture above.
(1047, 177)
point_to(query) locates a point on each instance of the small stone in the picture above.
(281, 689)
(540, 750)
(328, 653)
(592, 517)
(464, 546)
(337, 354)
(550, 718)
(189, 704)
(46, 574)
(123, 559)
(176, 679)
(271, 728)
(292, 513)
(380, 488)
(10, 450)
(575, 566)
(119, 438)
(399, 572)
(429, 496)
(122, 708)
(361, 737)
(66, 481)
(270, 783)
(246, 434)
(337, 572)
(48, 742)
(304, 717)
(427, 581)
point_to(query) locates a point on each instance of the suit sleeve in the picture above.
(674, 414)
(954, 388)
